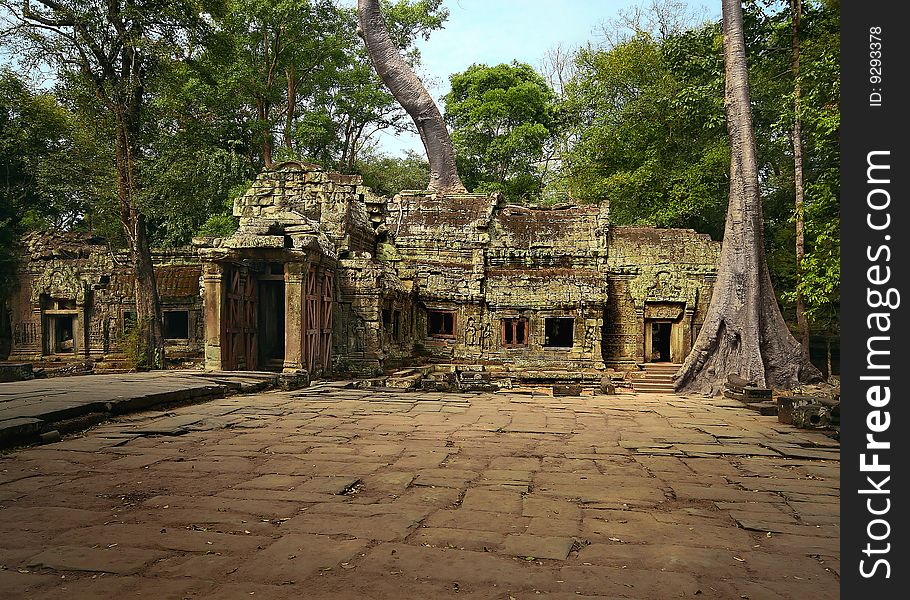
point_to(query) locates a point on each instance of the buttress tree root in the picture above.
(744, 332)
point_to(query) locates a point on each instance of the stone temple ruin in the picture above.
(325, 278)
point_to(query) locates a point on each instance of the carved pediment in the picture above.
(59, 280)
(662, 286)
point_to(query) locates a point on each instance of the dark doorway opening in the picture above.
(558, 332)
(271, 324)
(660, 341)
(62, 334)
(176, 325)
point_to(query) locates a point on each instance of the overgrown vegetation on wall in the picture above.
(634, 119)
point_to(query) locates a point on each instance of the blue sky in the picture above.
(498, 31)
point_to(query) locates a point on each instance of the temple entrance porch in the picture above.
(269, 311)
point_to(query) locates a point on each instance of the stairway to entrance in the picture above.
(658, 378)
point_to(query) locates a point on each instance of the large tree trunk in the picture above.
(263, 108)
(148, 305)
(413, 97)
(802, 323)
(743, 332)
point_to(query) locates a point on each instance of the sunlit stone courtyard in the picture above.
(330, 492)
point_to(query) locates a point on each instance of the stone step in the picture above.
(763, 408)
(660, 367)
(409, 382)
(658, 376)
(652, 388)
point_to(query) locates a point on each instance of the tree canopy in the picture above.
(501, 119)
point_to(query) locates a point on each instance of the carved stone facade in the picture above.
(74, 300)
(323, 277)
(660, 283)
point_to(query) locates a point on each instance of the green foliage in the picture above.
(819, 280)
(769, 27)
(645, 120)
(501, 119)
(276, 80)
(133, 343)
(48, 167)
(189, 190)
(388, 175)
(644, 125)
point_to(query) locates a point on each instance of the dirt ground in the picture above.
(331, 493)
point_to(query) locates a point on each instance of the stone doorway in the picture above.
(664, 341)
(61, 319)
(661, 332)
(667, 327)
(271, 318)
(268, 315)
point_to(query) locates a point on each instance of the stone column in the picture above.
(294, 295)
(213, 305)
(643, 347)
(687, 330)
(39, 345)
(80, 327)
(81, 339)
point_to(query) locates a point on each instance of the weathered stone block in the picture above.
(16, 372)
(819, 414)
(786, 405)
(567, 390)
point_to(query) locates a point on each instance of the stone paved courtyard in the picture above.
(331, 493)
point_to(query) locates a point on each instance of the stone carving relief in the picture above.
(590, 340)
(471, 332)
(486, 340)
(661, 285)
(59, 281)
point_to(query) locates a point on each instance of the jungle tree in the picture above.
(501, 119)
(114, 47)
(743, 332)
(413, 97)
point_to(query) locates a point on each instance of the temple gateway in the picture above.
(324, 278)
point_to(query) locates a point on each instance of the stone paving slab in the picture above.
(120, 560)
(28, 408)
(337, 493)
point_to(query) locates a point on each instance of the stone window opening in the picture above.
(396, 325)
(514, 333)
(61, 341)
(177, 325)
(441, 323)
(559, 332)
(129, 321)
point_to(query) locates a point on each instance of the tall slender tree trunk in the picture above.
(744, 332)
(148, 305)
(413, 97)
(291, 108)
(263, 109)
(802, 323)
